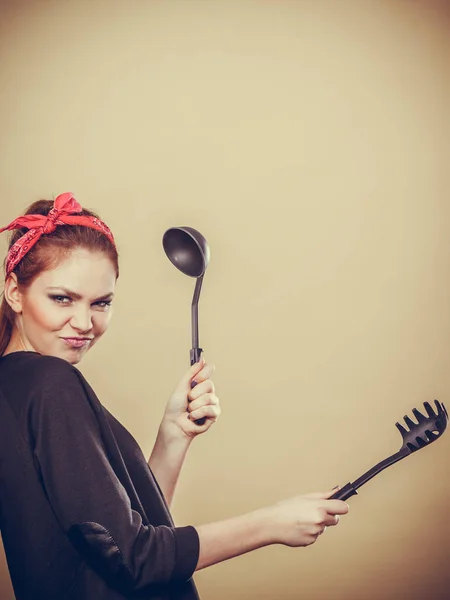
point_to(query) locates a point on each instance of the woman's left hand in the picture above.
(187, 404)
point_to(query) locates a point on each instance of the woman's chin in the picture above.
(75, 357)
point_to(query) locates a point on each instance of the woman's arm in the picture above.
(178, 428)
(167, 458)
(294, 522)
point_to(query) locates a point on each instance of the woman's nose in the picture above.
(82, 320)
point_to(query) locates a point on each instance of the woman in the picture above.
(83, 515)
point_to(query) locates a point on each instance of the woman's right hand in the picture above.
(295, 522)
(299, 521)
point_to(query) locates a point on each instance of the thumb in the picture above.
(192, 372)
(322, 495)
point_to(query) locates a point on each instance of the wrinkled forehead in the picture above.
(85, 272)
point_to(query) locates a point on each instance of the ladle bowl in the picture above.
(187, 249)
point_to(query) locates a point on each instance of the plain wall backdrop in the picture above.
(309, 141)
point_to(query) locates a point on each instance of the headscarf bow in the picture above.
(64, 212)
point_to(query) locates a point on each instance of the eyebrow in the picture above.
(79, 296)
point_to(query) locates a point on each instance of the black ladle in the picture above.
(423, 433)
(188, 250)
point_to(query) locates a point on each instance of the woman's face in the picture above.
(66, 310)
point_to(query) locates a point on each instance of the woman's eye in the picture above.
(103, 303)
(61, 299)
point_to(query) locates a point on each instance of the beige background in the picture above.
(309, 142)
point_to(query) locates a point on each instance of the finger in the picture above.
(331, 520)
(204, 387)
(204, 400)
(312, 539)
(336, 507)
(330, 493)
(211, 411)
(204, 373)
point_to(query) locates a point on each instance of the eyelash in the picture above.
(59, 300)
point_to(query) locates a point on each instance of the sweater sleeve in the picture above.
(89, 501)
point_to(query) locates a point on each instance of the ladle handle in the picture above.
(350, 488)
(344, 493)
(196, 354)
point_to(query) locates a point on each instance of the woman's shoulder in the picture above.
(38, 364)
(38, 371)
(44, 386)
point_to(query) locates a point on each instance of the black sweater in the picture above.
(82, 517)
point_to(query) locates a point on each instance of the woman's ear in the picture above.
(12, 294)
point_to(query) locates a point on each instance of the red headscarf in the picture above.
(64, 212)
